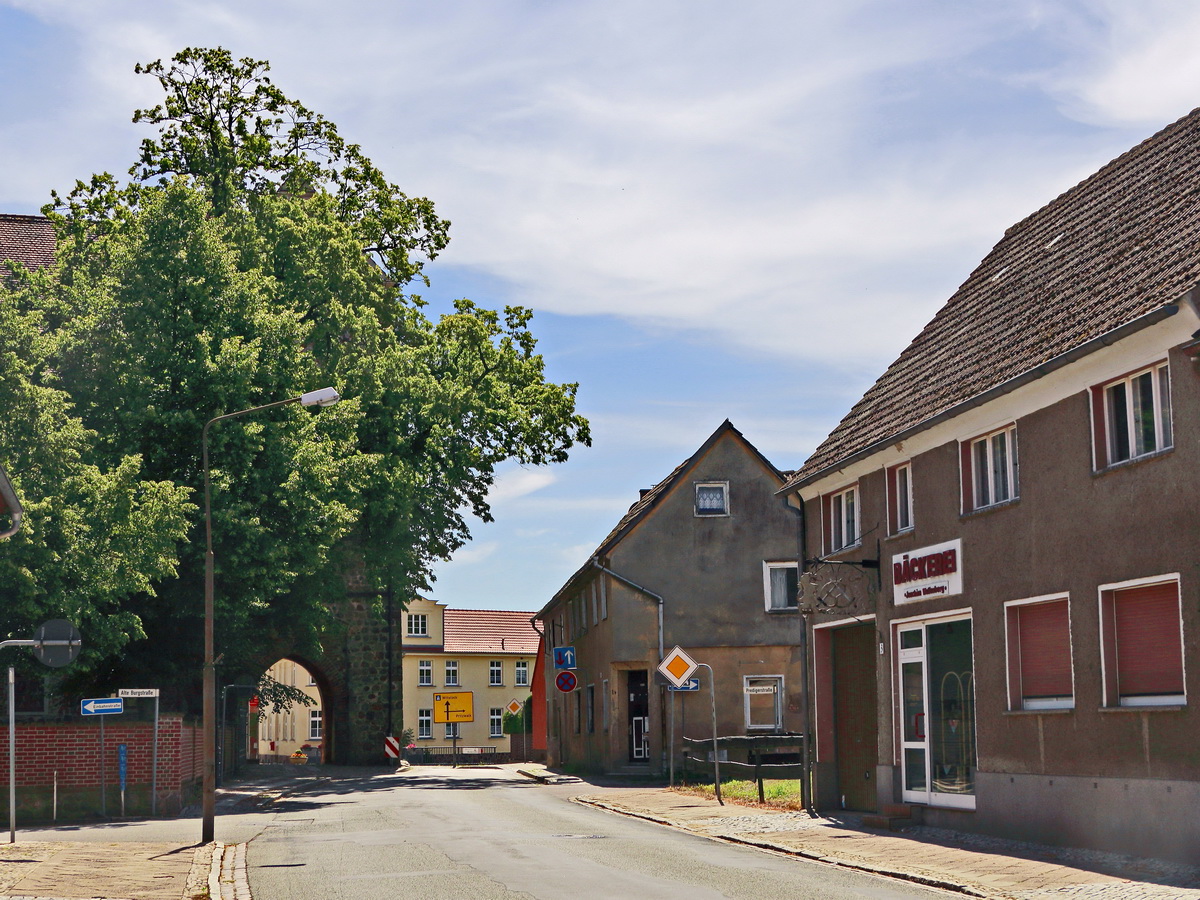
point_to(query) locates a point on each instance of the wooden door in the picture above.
(855, 715)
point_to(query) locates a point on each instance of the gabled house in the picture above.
(705, 559)
(488, 653)
(1025, 476)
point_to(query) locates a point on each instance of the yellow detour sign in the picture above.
(453, 706)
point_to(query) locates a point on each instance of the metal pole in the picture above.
(712, 691)
(671, 751)
(12, 757)
(103, 772)
(154, 764)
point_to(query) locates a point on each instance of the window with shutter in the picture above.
(1142, 644)
(1039, 654)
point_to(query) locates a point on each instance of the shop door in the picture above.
(937, 709)
(855, 715)
(639, 716)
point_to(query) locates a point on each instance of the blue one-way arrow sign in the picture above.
(102, 706)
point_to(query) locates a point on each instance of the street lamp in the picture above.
(323, 397)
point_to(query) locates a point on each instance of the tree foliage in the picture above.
(253, 255)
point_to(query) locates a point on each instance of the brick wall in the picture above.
(88, 778)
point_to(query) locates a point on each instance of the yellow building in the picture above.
(489, 653)
(282, 732)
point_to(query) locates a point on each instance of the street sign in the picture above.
(454, 706)
(566, 681)
(56, 643)
(515, 706)
(102, 706)
(391, 746)
(564, 657)
(692, 684)
(760, 689)
(677, 666)
(137, 692)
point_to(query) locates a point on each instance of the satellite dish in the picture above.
(57, 643)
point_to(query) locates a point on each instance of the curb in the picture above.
(227, 877)
(787, 851)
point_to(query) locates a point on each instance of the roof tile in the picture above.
(488, 631)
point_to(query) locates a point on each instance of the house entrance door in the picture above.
(639, 716)
(855, 715)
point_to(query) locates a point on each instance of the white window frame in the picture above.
(723, 486)
(843, 520)
(901, 489)
(1116, 700)
(1009, 468)
(452, 731)
(424, 724)
(1161, 411)
(451, 672)
(1017, 702)
(746, 695)
(418, 625)
(315, 725)
(521, 673)
(790, 602)
(424, 673)
(496, 673)
(496, 722)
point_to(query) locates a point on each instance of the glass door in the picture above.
(937, 700)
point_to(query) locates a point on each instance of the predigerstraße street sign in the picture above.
(102, 706)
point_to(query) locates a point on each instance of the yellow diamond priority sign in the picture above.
(677, 667)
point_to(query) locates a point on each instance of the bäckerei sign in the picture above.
(927, 573)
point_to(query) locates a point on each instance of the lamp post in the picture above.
(323, 397)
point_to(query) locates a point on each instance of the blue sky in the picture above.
(716, 212)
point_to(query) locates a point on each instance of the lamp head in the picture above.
(323, 397)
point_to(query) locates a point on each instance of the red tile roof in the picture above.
(488, 631)
(1116, 247)
(28, 240)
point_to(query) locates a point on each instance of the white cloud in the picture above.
(475, 552)
(516, 482)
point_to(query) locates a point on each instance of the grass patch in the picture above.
(777, 793)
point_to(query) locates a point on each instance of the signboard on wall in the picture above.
(927, 573)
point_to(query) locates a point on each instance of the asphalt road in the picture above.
(447, 834)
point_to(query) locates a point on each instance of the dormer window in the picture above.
(712, 498)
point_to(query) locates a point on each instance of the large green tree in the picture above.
(253, 255)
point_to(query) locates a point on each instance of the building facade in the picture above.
(706, 560)
(1003, 533)
(489, 654)
(282, 732)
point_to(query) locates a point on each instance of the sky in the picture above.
(714, 211)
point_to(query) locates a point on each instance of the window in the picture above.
(712, 498)
(1141, 644)
(452, 730)
(604, 704)
(425, 672)
(764, 702)
(989, 469)
(1039, 654)
(578, 699)
(418, 625)
(1131, 416)
(603, 598)
(841, 519)
(451, 673)
(780, 584)
(591, 709)
(424, 724)
(496, 722)
(899, 498)
(595, 605)
(314, 724)
(522, 676)
(495, 672)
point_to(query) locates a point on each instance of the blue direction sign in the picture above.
(692, 684)
(564, 657)
(102, 706)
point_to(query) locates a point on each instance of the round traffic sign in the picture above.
(56, 643)
(566, 681)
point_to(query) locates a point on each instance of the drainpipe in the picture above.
(595, 561)
(806, 797)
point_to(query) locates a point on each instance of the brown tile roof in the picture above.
(28, 240)
(488, 631)
(1117, 246)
